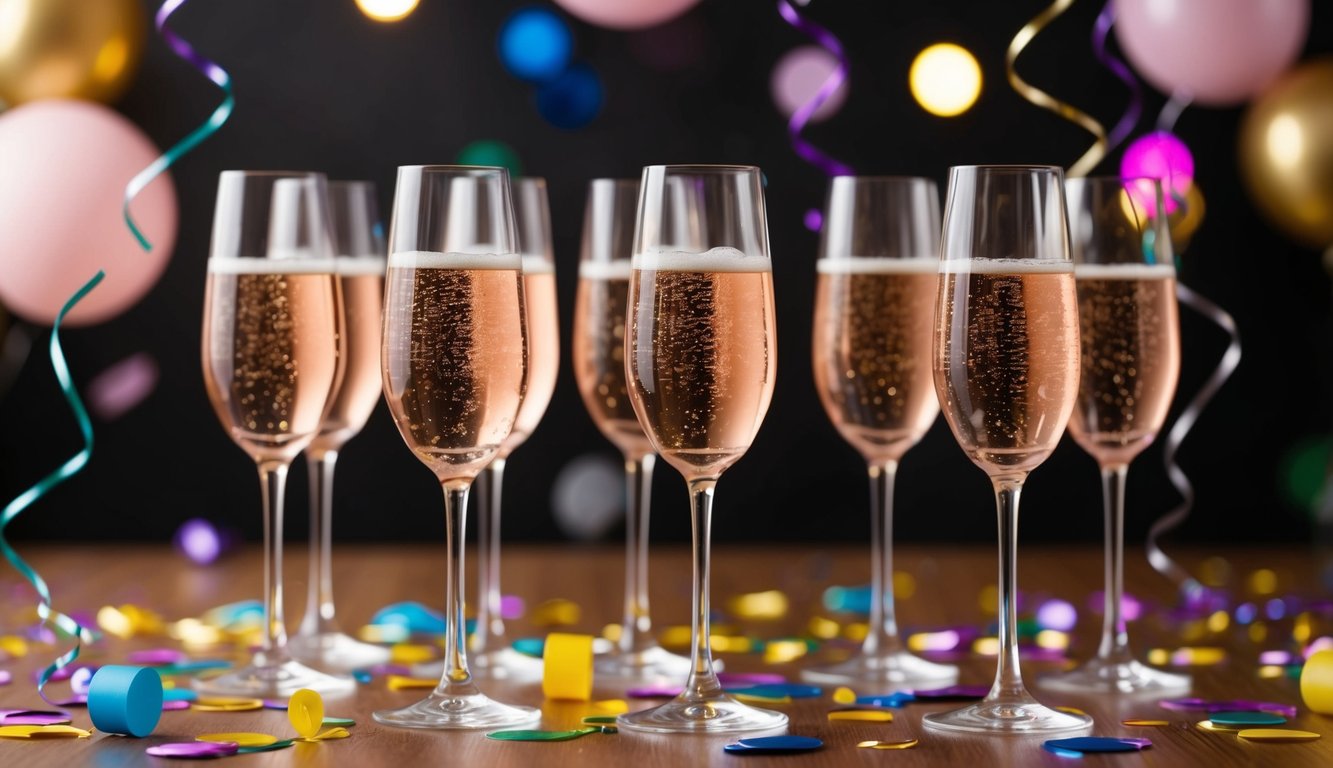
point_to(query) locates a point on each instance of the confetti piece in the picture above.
(530, 646)
(750, 678)
(1060, 752)
(599, 720)
(282, 744)
(557, 612)
(410, 653)
(953, 693)
(68, 469)
(156, 656)
(123, 385)
(42, 732)
(613, 706)
(14, 646)
(338, 721)
(895, 744)
(654, 692)
(783, 651)
(33, 717)
(541, 735)
(404, 683)
(1146, 723)
(1317, 682)
(305, 710)
(193, 667)
(1246, 718)
(77, 700)
(567, 667)
(1277, 734)
(1071, 710)
(1208, 725)
(761, 606)
(241, 738)
(774, 745)
(773, 690)
(1099, 744)
(862, 715)
(895, 700)
(844, 695)
(125, 700)
(174, 705)
(182, 694)
(5, 677)
(362, 676)
(193, 749)
(226, 704)
(748, 698)
(1232, 705)
(328, 735)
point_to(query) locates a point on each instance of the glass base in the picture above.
(651, 665)
(713, 716)
(1101, 676)
(474, 711)
(274, 681)
(897, 670)
(336, 651)
(1022, 716)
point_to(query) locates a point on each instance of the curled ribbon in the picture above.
(210, 70)
(1044, 100)
(1184, 423)
(802, 116)
(1101, 30)
(61, 473)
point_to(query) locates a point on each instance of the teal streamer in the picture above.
(63, 472)
(208, 69)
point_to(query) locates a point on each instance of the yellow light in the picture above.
(387, 10)
(1270, 671)
(1264, 581)
(783, 651)
(1052, 640)
(986, 646)
(1159, 656)
(1219, 621)
(945, 79)
(1258, 632)
(760, 605)
(822, 628)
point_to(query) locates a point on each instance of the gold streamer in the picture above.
(1044, 100)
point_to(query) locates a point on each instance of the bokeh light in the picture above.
(798, 77)
(491, 152)
(535, 44)
(945, 79)
(199, 540)
(573, 99)
(1057, 614)
(387, 10)
(1159, 155)
(588, 497)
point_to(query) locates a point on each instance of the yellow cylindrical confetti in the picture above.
(567, 667)
(1317, 682)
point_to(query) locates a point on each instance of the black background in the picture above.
(319, 86)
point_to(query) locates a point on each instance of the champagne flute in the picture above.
(358, 246)
(454, 362)
(874, 323)
(700, 355)
(599, 368)
(1006, 373)
(492, 657)
(271, 361)
(1130, 331)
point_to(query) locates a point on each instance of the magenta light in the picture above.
(199, 540)
(1057, 614)
(1158, 155)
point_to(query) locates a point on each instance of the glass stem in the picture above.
(1008, 677)
(489, 634)
(883, 637)
(636, 628)
(703, 684)
(456, 680)
(319, 616)
(1115, 636)
(273, 480)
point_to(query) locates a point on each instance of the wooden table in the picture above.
(948, 579)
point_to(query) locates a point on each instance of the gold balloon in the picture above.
(1286, 152)
(81, 49)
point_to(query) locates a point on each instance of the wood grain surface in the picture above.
(948, 581)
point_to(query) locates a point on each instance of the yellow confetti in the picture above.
(1052, 639)
(242, 739)
(1277, 734)
(1219, 621)
(557, 612)
(986, 646)
(226, 704)
(862, 715)
(1302, 628)
(822, 628)
(1071, 710)
(328, 735)
(404, 683)
(844, 695)
(383, 633)
(14, 646)
(305, 710)
(1271, 672)
(1146, 723)
(752, 699)
(43, 732)
(1209, 725)
(899, 744)
(783, 651)
(114, 622)
(409, 653)
(1198, 656)
(856, 631)
(567, 667)
(1159, 657)
(612, 632)
(611, 706)
(769, 605)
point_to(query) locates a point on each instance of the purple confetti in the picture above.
(116, 390)
(953, 693)
(752, 678)
(195, 749)
(654, 692)
(802, 116)
(157, 656)
(512, 607)
(1234, 705)
(171, 705)
(79, 681)
(5, 677)
(77, 700)
(33, 717)
(275, 704)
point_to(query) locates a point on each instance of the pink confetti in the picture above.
(175, 704)
(156, 656)
(756, 678)
(114, 391)
(654, 692)
(5, 677)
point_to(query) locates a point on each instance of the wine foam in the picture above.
(452, 260)
(877, 265)
(1005, 266)
(723, 259)
(620, 269)
(535, 264)
(271, 266)
(1124, 271)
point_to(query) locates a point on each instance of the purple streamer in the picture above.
(801, 117)
(1101, 30)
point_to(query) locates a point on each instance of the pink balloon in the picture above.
(1221, 52)
(626, 14)
(63, 169)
